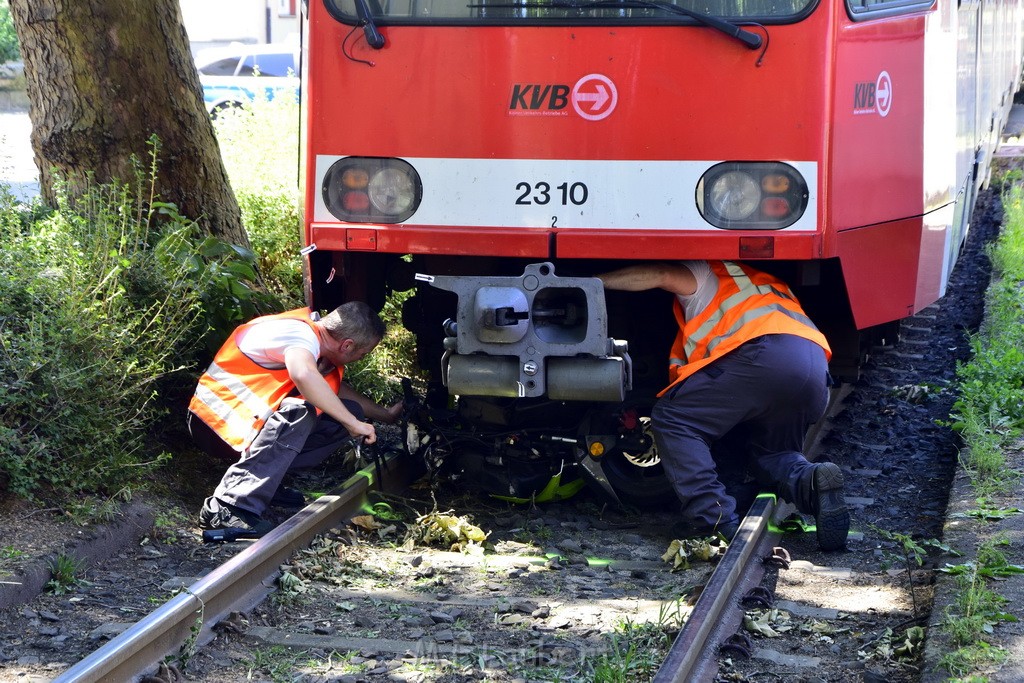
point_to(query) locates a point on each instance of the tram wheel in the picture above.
(639, 477)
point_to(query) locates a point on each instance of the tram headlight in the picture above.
(392, 192)
(372, 190)
(739, 195)
(734, 195)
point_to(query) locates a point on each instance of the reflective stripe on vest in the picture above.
(236, 396)
(748, 304)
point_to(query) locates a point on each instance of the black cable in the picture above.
(344, 48)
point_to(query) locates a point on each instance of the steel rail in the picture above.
(236, 585)
(691, 657)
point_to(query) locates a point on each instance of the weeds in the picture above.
(277, 663)
(990, 415)
(912, 554)
(990, 410)
(9, 557)
(635, 653)
(190, 646)
(102, 300)
(64, 574)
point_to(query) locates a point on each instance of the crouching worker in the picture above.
(746, 354)
(274, 400)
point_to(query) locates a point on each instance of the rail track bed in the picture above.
(570, 591)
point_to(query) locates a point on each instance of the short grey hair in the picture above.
(356, 321)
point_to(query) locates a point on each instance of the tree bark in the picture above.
(103, 76)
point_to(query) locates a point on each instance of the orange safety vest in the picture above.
(236, 396)
(748, 304)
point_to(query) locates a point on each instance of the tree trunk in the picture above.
(103, 76)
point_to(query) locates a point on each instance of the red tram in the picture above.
(496, 154)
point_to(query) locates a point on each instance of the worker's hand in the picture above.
(364, 430)
(394, 412)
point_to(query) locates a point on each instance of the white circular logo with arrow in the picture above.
(594, 97)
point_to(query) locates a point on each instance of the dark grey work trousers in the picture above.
(776, 386)
(294, 437)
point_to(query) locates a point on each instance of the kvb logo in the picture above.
(593, 98)
(873, 98)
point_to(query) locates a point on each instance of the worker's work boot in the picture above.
(241, 523)
(821, 492)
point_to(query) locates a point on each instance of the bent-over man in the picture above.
(273, 398)
(745, 354)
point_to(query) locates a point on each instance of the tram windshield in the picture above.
(564, 12)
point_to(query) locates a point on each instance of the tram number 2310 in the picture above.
(542, 193)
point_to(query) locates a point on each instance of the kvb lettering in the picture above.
(531, 97)
(863, 95)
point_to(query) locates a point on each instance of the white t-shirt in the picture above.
(266, 343)
(707, 287)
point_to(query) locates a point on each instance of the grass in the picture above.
(65, 573)
(990, 410)
(635, 653)
(989, 414)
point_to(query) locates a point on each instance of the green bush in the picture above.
(990, 409)
(101, 301)
(9, 51)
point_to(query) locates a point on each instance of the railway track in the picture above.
(567, 592)
(543, 602)
(574, 591)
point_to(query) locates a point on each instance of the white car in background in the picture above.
(231, 76)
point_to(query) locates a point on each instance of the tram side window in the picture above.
(860, 10)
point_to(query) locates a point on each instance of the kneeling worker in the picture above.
(746, 354)
(274, 399)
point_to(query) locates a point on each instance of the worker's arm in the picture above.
(672, 277)
(314, 388)
(371, 408)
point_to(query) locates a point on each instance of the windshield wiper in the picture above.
(751, 40)
(373, 37)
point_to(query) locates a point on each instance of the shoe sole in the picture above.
(833, 519)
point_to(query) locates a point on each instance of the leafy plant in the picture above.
(259, 144)
(986, 512)
(912, 553)
(102, 301)
(276, 662)
(635, 653)
(64, 574)
(991, 562)
(90, 321)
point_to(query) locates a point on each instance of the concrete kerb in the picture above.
(133, 522)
